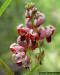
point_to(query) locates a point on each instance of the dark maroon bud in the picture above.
(19, 63)
(26, 67)
(27, 36)
(34, 44)
(23, 37)
(40, 63)
(22, 43)
(48, 39)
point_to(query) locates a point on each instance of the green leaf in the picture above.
(4, 6)
(6, 68)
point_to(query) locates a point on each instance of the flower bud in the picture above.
(34, 10)
(22, 43)
(19, 63)
(19, 27)
(28, 14)
(19, 58)
(41, 19)
(26, 62)
(28, 23)
(42, 32)
(22, 31)
(34, 35)
(15, 48)
(29, 6)
(48, 39)
(33, 44)
(49, 32)
(23, 37)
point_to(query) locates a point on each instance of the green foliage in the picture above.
(4, 6)
(6, 68)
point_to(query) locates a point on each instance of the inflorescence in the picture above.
(31, 36)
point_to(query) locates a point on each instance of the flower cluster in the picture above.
(31, 36)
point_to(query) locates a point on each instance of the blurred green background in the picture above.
(14, 15)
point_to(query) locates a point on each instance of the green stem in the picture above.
(33, 69)
(32, 20)
(39, 50)
(29, 52)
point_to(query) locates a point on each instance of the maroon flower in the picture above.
(15, 48)
(49, 32)
(22, 43)
(19, 27)
(39, 19)
(29, 23)
(42, 32)
(26, 62)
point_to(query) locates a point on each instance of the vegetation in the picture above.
(13, 15)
